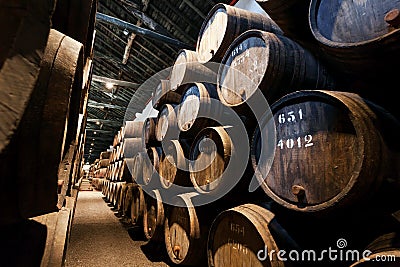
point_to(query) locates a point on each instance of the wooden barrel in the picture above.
(104, 163)
(149, 131)
(237, 235)
(126, 209)
(166, 122)
(163, 95)
(137, 171)
(102, 172)
(113, 193)
(196, 109)
(133, 129)
(39, 113)
(273, 63)
(131, 146)
(76, 19)
(222, 25)
(292, 17)
(186, 229)
(105, 155)
(173, 167)
(154, 216)
(109, 193)
(385, 252)
(187, 69)
(333, 149)
(113, 170)
(151, 166)
(126, 168)
(117, 194)
(105, 185)
(210, 154)
(137, 205)
(358, 36)
(121, 198)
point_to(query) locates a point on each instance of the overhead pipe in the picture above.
(100, 17)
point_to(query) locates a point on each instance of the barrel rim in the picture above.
(205, 22)
(313, 8)
(247, 34)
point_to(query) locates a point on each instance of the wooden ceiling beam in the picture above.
(103, 18)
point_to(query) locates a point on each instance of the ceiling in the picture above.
(127, 59)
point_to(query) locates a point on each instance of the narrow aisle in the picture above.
(99, 238)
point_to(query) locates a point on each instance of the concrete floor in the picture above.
(99, 237)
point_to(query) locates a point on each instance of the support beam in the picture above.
(95, 104)
(97, 78)
(100, 131)
(104, 121)
(100, 17)
(198, 11)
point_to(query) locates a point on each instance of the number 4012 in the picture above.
(300, 142)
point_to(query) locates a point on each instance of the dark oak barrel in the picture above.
(187, 69)
(237, 235)
(333, 150)
(125, 172)
(196, 110)
(117, 194)
(154, 216)
(39, 112)
(273, 63)
(137, 171)
(385, 252)
(210, 154)
(131, 146)
(104, 163)
(358, 36)
(186, 230)
(173, 166)
(104, 189)
(138, 205)
(105, 155)
(132, 129)
(121, 198)
(149, 131)
(127, 205)
(166, 122)
(151, 166)
(76, 18)
(222, 25)
(101, 173)
(292, 17)
(163, 95)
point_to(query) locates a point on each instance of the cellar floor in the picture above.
(100, 237)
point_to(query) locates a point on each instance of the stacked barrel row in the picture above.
(307, 159)
(44, 81)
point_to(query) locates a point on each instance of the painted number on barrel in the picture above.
(290, 116)
(299, 142)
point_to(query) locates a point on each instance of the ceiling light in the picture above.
(125, 32)
(94, 132)
(97, 122)
(92, 144)
(109, 85)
